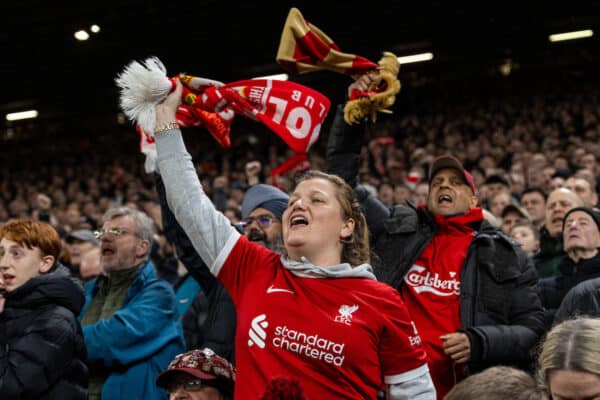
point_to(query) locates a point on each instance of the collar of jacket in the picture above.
(464, 222)
(549, 246)
(57, 286)
(145, 272)
(585, 266)
(407, 218)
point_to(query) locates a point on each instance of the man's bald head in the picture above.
(560, 201)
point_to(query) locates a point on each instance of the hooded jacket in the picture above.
(42, 353)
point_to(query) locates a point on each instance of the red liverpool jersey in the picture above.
(431, 292)
(339, 337)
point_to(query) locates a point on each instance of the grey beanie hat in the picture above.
(264, 196)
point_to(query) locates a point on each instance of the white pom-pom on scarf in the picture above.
(143, 86)
(150, 163)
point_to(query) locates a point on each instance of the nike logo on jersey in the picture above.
(272, 289)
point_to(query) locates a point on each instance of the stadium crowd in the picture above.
(528, 156)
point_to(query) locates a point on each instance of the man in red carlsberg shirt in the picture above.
(432, 284)
(469, 288)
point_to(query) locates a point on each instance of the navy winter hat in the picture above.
(264, 196)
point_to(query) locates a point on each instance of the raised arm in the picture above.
(343, 159)
(209, 231)
(345, 141)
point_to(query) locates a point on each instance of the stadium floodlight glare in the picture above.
(413, 58)
(95, 28)
(276, 77)
(559, 37)
(81, 35)
(22, 115)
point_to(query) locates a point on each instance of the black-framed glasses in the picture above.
(262, 220)
(192, 385)
(116, 232)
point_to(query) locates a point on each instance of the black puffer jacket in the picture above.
(42, 352)
(500, 307)
(554, 289)
(582, 300)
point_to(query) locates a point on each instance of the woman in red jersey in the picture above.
(316, 314)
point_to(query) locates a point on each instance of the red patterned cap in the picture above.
(202, 364)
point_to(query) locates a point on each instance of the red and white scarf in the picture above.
(292, 111)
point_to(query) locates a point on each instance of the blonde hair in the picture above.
(497, 383)
(355, 249)
(571, 345)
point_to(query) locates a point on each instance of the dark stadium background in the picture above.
(71, 84)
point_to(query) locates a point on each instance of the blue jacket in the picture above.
(140, 339)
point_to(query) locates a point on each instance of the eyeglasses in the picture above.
(116, 232)
(188, 385)
(261, 220)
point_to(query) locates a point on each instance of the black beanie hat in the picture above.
(592, 213)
